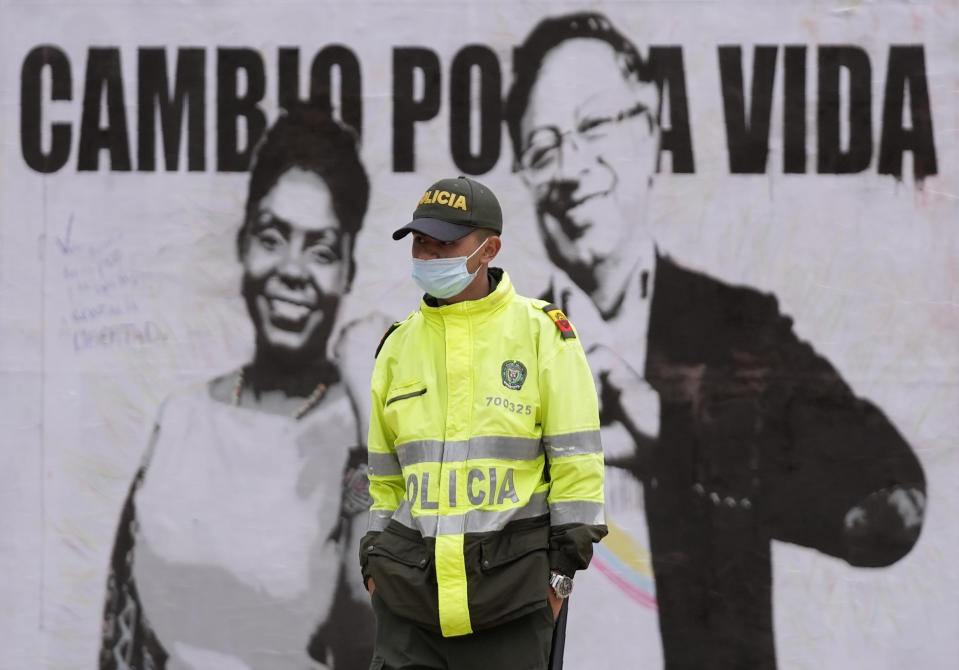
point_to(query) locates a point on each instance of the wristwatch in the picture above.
(561, 584)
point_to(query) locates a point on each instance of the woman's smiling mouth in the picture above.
(289, 310)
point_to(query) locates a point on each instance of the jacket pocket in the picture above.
(513, 574)
(402, 568)
(410, 388)
(505, 548)
(404, 396)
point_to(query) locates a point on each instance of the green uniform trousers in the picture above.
(521, 644)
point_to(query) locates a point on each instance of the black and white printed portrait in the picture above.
(738, 432)
(747, 210)
(235, 544)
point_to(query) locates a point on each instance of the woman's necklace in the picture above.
(308, 404)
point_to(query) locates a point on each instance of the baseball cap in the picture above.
(451, 208)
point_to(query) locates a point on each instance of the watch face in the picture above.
(562, 585)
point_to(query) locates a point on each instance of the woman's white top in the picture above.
(237, 545)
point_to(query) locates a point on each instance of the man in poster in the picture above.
(739, 432)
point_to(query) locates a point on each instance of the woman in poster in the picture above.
(231, 546)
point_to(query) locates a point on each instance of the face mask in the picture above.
(444, 277)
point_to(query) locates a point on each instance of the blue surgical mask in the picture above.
(444, 277)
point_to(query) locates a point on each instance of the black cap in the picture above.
(452, 208)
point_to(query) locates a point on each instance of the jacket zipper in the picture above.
(405, 396)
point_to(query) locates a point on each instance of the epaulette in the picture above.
(389, 331)
(562, 323)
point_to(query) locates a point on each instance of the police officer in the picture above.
(486, 466)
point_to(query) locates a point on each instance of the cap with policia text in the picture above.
(451, 208)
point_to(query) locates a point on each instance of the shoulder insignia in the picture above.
(562, 323)
(389, 331)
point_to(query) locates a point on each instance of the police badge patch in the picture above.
(514, 374)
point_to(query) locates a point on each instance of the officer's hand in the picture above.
(624, 396)
(554, 601)
(371, 585)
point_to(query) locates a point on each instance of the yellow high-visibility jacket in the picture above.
(486, 466)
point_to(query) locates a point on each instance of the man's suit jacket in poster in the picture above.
(760, 439)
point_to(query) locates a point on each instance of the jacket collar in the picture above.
(498, 298)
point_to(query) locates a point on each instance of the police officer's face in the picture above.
(589, 149)
(296, 263)
(427, 248)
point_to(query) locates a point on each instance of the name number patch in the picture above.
(508, 405)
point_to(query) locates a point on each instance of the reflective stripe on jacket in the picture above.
(486, 462)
